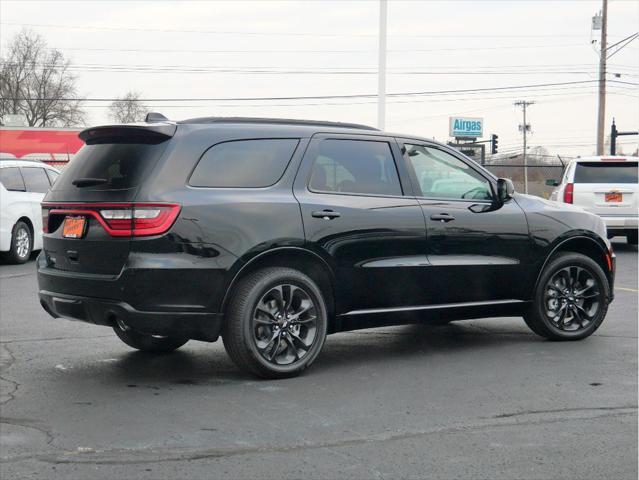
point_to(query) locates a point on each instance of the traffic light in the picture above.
(493, 143)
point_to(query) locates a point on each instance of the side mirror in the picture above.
(551, 182)
(505, 189)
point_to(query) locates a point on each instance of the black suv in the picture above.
(274, 233)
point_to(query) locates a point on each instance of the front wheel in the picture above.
(571, 299)
(146, 342)
(276, 323)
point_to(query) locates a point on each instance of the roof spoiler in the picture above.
(132, 133)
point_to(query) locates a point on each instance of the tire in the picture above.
(251, 335)
(148, 343)
(577, 316)
(631, 238)
(21, 244)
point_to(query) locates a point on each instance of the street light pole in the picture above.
(381, 80)
(524, 129)
(601, 114)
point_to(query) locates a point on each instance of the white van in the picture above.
(606, 186)
(23, 184)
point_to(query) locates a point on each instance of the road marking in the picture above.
(625, 289)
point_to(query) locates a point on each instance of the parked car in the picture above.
(23, 184)
(275, 233)
(606, 186)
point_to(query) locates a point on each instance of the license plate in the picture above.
(613, 197)
(73, 227)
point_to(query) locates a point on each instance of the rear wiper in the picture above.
(88, 182)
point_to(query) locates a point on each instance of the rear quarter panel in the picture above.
(218, 230)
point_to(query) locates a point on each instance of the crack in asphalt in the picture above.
(11, 394)
(30, 423)
(160, 455)
(560, 410)
(15, 275)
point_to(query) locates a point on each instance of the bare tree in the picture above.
(35, 81)
(128, 109)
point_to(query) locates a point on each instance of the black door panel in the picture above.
(375, 242)
(481, 255)
(477, 250)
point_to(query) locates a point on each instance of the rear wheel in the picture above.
(148, 343)
(276, 323)
(631, 237)
(571, 299)
(21, 243)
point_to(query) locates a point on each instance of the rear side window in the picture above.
(12, 179)
(53, 176)
(36, 179)
(120, 166)
(606, 172)
(355, 166)
(244, 163)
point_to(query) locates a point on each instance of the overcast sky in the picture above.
(216, 49)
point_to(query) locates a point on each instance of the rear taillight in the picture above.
(141, 219)
(568, 192)
(122, 219)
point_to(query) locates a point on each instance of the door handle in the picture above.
(442, 217)
(326, 214)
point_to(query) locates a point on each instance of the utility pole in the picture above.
(601, 114)
(525, 127)
(381, 73)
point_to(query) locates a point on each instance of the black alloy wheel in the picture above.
(276, 323)
(284, 324)
(571, 298)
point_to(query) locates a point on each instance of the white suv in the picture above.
(606, 186)
(23, 184)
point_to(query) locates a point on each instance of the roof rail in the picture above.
(278, 121)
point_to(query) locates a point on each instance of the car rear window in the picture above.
(606, 172)
(12, 180)
(122, 165)
(244, 163)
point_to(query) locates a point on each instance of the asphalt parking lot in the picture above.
(476, 399)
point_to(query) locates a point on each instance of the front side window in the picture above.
(355, 166)
(12, 180)
(441, 175)
(35, 179)
(244, 163)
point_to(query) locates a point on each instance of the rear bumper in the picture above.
(197, 326)
(620, 222)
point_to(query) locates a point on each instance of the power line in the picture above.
(403, 50)
(328, 97)
(304, 34)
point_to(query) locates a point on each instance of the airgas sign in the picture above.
(464, 127)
